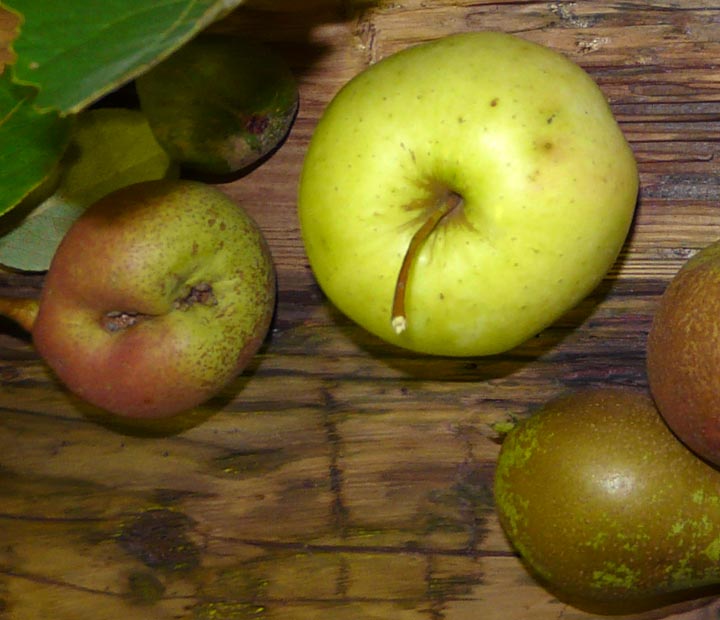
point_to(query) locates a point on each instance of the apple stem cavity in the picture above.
(449, 202)
(21, 310)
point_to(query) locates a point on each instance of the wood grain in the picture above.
(339, 477)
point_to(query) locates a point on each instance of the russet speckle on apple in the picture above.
(459, 196)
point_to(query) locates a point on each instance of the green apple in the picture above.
(158, 296)
(459, 196)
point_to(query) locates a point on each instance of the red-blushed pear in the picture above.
(459, 196)
(157, 297)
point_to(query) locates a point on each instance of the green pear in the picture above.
(220, 103)
(604, 503)
(157, 297)
(683, 354)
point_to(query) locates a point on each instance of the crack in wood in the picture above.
(366, 34)
(474, 490)
(338, 509)
(46, 519)
(49, 581)
(342, 584)
(368, 549)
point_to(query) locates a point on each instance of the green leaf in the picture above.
(9, 23)
(109, 148)
(31, 142)
(76, 51)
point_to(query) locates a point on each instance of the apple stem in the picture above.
(449, 203)
(21, 310)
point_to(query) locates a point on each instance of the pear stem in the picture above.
(21, 310)
(449, 203)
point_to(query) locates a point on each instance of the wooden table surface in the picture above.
(339, 477)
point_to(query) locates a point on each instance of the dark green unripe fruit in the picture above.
(683, 354)
(220, 103)
(605, 504)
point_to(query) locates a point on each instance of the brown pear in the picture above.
(605, 504)
(683, 353)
